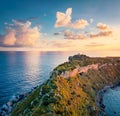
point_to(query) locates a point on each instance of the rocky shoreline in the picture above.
(6, 109)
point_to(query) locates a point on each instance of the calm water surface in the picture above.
(20, 71)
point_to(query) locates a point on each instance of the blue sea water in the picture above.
(111, 100)
(20, 71)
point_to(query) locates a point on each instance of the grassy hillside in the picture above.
(74, 95)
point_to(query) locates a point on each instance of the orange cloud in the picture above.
(79, 24)
(94, 44)
(105, 31)
(103, 26)
(21, 34)
(9, 38)
(70, 35)
(101, 34)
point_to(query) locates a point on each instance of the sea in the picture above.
(111, 100)
(21, 71)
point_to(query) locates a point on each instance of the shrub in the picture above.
(45, 89)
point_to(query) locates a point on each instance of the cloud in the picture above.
(91, 20)
(61, 44)
(101, 34)
(20, 34)
(104, 31)
(56, 44)
(71, 35)
(58, 33)
(103, 26)
(44, 14)
(79, 24)
(64, 20)
(9, 38)
(94, 44)
(33, 18)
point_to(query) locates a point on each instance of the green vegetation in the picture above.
(73, 96)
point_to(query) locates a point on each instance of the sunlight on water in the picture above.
(20, 71)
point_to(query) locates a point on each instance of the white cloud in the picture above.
(64, 20)
(91, 20)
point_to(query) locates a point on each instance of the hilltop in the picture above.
(72, 88)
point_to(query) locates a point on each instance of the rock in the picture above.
(5, 107)
(14, 99)
(102, 106)
(78, 84)
(81, 73)
(9, 103)
(31, 103)
(3, 113)
(21, 96)
(34, 87)
(0, 113)
(70, 58)
(9, 109)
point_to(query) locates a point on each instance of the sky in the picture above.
(88, 26)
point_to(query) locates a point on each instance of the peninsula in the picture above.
(72, 89)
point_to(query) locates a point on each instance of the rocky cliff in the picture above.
(72, 88)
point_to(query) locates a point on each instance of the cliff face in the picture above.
(72, 88)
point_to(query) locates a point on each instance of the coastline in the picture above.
(6, 108)
(58, 89)
(16, 99)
